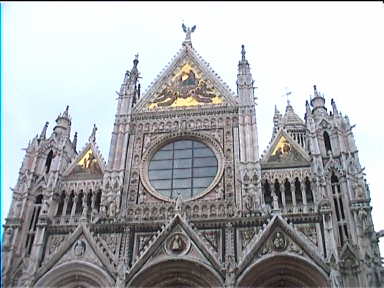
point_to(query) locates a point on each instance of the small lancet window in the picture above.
(267, 193)
(298, 194)
(327, 141)
(308, 191)
(48, 162)
(278, 192)
(288, 193)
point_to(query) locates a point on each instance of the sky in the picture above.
(76, 53)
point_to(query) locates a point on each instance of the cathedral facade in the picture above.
(185, 198)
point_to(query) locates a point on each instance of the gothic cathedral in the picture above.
(185, 198)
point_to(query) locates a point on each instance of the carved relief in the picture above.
(177, 244)
(79, 248)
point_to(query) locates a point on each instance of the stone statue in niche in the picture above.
(177, 244)
(279, 242)
(178, 202)
(79, 248)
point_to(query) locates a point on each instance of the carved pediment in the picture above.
(89, 164)
(187, 82)
(176, 239)
(285, 152)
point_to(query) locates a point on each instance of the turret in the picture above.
(63, 124)
(318, 103)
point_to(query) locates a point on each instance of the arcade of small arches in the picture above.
(76, 204)
(294, 195)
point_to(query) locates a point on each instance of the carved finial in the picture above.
(44, 131)
(188, 31)
(286, 94)
(315, 93)
(242, 53)
(92, 138)
(136, 60)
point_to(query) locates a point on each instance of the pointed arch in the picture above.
(177, 272)
(283, 271)
(75, 274)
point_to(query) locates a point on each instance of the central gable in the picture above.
(188, 82)
(186, 86)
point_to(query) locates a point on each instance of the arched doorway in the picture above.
(75, 274)
(283, 271)
(177, 273)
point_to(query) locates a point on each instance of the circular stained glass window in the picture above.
(187, 167)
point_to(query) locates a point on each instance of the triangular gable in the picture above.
(279, 237)
(88, 164)
(81, 242)
(285, 152)
(176, 239)
(187, 82)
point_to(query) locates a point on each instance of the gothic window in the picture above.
(33, 222)
(298, 194)
(339, 209)
(48, 162)
(327, 141)
(308, 191)
(187, 167)
(288, 193)
(267, 193)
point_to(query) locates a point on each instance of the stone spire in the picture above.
(244, 80)
(44, 131)
(130, 79)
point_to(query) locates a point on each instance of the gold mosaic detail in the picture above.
(186, 88)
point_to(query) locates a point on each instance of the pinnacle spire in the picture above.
(335, 111)
(92, 138)
(65, 114)
(44, 131)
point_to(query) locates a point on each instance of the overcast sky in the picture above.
(76, 53)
